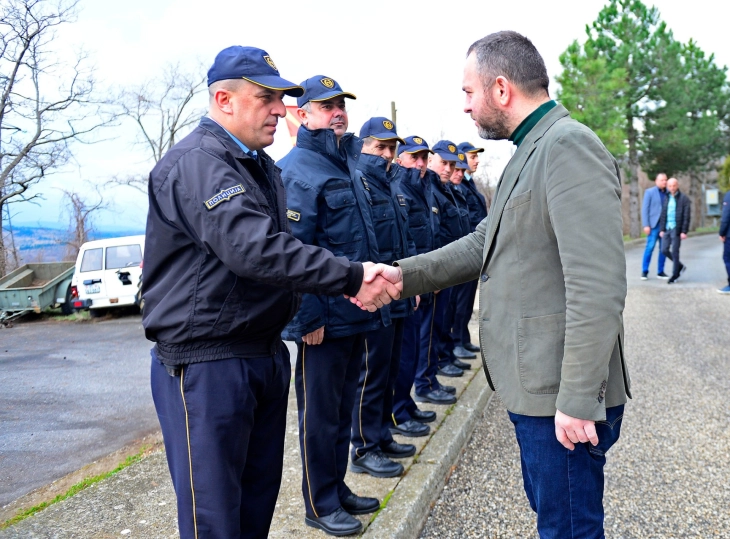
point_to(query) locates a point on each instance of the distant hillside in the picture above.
(48, 243)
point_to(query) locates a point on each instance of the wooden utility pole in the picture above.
(392, 112)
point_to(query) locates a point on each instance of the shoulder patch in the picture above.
(401, 200)
(293, 215)
(435, 210)
(224, 195)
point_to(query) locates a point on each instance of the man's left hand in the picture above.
(571, 430)
(683, 236)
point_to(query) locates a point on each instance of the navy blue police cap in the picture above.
(446, 150)
(468, 147)
(380, 128)
(321, 88)
(461, 163)
(414, 144)
(251, 64)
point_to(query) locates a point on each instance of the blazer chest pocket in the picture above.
(519, 200)
(541, 343)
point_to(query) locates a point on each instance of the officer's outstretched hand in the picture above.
(380, 285)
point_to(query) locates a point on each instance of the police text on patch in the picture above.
(225, 194)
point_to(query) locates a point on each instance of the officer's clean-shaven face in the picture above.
(457, 176)
(417, 160)
(472, 159)
(329, 114)
(441, 167)
(381, 148)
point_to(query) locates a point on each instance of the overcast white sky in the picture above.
(382, 51)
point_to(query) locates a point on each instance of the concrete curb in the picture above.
(411, 501)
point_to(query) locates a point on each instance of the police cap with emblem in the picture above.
(446, 150)
(461, 163)
(251, 64)
(414, 144)
(380, 129)
(468, 147)
(321, 88)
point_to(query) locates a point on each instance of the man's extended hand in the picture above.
(380, 285)
(570, 430)
(314, 338)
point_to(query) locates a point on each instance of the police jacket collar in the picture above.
(217, 130)
(374, 168)
(324, 141)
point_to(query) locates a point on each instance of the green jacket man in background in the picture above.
(552, 273)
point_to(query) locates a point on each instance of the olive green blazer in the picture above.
(552, 274)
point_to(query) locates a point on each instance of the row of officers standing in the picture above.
(377, 197)
(242, 253)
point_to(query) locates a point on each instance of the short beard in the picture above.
(496, 129)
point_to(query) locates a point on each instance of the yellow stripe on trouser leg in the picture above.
(190, 453)
(362, 393)
(304, 437)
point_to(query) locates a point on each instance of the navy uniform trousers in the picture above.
(415, 363)
(464, 296)
(325, 378)
(371, 415)
(428, 360)
(443, 320)
(223, 424)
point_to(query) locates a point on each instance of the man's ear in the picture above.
(302, 116)
(222, 99)
(502, 91)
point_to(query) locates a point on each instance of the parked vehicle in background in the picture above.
(107, 274)
(33, 287)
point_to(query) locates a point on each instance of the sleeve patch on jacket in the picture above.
(224, 195)
(293, 215)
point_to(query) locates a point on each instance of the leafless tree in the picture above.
(11, 251)
(163, 110)
(45, 103)
(80, 220)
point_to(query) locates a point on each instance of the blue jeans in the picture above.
(565, 488)
(651, 241)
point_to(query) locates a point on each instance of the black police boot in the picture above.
(395, 450)
(450, 370)
(409, 428)
(338, 523)
(424, 416)
(376, 464)
(462, 353)
(360, 505)
(436, 397)
(451, 390)
(461, 365)
(471, 347)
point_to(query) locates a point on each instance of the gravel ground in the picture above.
(669, 474)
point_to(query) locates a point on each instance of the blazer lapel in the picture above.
(512, 173)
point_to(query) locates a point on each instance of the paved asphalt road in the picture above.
(668, 476)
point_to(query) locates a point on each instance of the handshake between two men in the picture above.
(381, 284)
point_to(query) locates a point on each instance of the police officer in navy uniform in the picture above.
(452, 226)
(372, 441)
(477, 206)
(417, 364)
(326, 208)
(220, 280)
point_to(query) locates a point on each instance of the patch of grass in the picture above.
(383, 505)
(706, 229)
(78, 487)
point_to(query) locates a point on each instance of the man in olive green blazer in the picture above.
(551, 266)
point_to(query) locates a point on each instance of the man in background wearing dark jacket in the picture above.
(328, 209)
(724, 231)
(221, 274)
(674, 225)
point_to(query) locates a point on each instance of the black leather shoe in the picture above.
(409, 428)
(463, 353)
(395, 450)
(338, 523)
(436, 397)
(451, 390)
(471, 347)
(450, 370)
(461, 365)
(423, 416)
(360, 505)
(376, 464)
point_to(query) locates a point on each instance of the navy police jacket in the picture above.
(475, 201)
(450, 215)
(325, 208)
(460, 196)
(220, 266)
(390, 218)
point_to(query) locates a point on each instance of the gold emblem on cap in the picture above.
(329, 83)
(388, 124)
(270, 62)
(452, 148)
(418, 140)
(461, 157)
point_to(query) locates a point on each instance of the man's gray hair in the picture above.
(513, 56)
(232, 85)
(307, 107)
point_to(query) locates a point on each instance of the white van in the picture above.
(107, 274)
